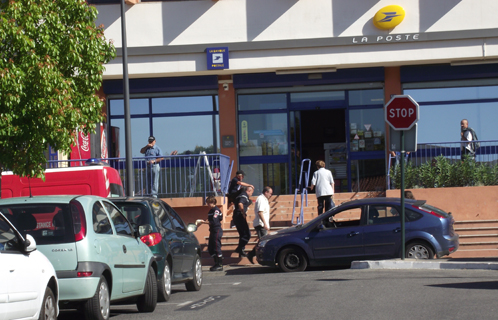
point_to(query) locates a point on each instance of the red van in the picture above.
(97, 180)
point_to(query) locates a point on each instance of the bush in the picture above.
(443, 172)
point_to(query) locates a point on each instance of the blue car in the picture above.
(359, 230)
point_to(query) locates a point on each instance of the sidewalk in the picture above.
(448, 263)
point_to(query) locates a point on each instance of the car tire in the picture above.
(148, 301)
(99, 306)
(292, 259)
(164, 285)
(48, 308)
(419, 250)
(196, 282)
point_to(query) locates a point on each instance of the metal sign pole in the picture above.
(402, 196)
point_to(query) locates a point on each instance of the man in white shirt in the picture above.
(467, 149)
(324, 182)
(262, 217)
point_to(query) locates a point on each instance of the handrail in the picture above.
(303, 191)
(190, 175)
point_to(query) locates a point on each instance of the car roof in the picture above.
(381, 200)
(46, 199)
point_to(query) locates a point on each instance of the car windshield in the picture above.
(46, 222)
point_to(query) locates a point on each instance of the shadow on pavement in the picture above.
(487, 285)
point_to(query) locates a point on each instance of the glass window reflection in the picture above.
(140, 131)
(453, 94)
(274, 175)
(317, 96)
(367, 130)
(262, 101)
(366, 97)
(137, 106)
(183, 104)
(263, 134)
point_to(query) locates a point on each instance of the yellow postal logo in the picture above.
(389, 17)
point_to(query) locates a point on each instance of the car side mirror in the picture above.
(320, 227)
(29, 244)
(191, 227)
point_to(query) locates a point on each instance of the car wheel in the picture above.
(148, 301)
(419, 250)
(196, 283)
(164, 285)
(292, 259)
(98, 307)
(48, 308)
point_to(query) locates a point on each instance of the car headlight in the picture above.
(263, 243)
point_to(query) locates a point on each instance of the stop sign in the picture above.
(402, 112)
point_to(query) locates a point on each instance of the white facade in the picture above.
(169, 38)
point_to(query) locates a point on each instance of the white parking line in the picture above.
(224, 283)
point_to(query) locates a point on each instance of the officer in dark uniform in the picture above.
(215, 216)
(242, 202)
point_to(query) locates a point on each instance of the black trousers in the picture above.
(325, 201)
(214, 243)
(243, 230)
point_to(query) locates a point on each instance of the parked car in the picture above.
(358, 230)
(29, 288)
(98, 257)
(164, 231)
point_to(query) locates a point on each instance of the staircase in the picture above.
(478, 239)
(280, 217)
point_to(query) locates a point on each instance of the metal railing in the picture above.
(427, 152)
(180, 176)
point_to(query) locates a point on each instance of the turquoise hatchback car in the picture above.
(98, 257)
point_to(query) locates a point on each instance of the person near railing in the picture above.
(153, 154)
(234, 188)
(467, 134)
(215, 216)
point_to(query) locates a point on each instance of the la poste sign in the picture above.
(402, 112)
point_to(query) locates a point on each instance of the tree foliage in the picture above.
(52, 58)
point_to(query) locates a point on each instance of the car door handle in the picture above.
(397, 230)
(124, 248)
(353, 233)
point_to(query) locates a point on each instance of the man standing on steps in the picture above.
(324, 182)
(262, 218)
(242, 202)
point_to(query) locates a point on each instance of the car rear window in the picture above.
(47, 223)
(135, 212)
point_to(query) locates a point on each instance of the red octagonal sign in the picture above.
(402, 112)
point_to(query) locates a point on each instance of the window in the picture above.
(262, 102)
(345, 218)
(366, 97)
(175, 218)
(100, 220)
(187, 124)
(477, 104)
(383, 214)
(263, 134)
(120, 223)
(8, 238)
(367, 130)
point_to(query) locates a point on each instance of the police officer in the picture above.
(242, 202)
(215, 216)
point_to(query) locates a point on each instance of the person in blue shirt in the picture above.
(154, 157)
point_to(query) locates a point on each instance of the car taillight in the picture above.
(79, 221)
(85, 274)
(429, 212)
(151, 239)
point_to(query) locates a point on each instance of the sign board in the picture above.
(228, 141)
(402, 112)
(217, 58)
(410, 139)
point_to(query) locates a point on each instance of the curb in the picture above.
(417, 264)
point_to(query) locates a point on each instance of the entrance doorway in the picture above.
(321, 135)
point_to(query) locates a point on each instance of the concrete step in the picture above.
(475, 224)
(475, 253)
(479, 245)
(481, 238)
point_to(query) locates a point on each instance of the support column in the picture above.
(228, 119)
